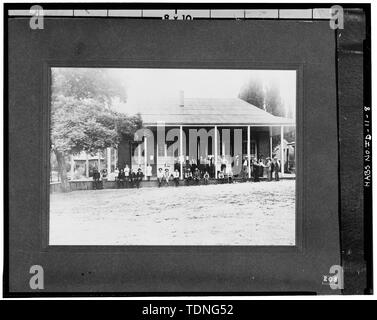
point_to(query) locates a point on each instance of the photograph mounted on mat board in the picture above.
(88, 224)
(172, 157)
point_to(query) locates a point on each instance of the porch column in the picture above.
(248, 152)
(157, 157)
(270, 142)
(138, 155)
(99, 161)
(145, 157)
(181, 151)
(282, 150)
(87, 165)
(215, 152)
(72, 166)
(116, 157)
(108, 154)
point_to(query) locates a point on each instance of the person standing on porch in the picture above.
(261, 167)
(188, 176)
(121, 178)
(201, 164)
(127, 175)
(197, 176)
(256, 170)
(133, 176)
(149, 172)
(212, 169)
(276, 168)
(176, 177)
(268, 169)
(221, 176)
(245, 170)
(229, 173)
(245, 164)
(223, 163)
(193, 165)
(104, 174)
(139, 177)
(177, 165)
(207, 167)
(237, 168)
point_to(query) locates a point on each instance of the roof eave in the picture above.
(204, 124)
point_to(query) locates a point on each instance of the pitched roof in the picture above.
(214, 111)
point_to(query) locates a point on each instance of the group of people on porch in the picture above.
(195, 173)
(129, 178)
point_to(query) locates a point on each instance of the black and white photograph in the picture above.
(187, 150)
(172, 157)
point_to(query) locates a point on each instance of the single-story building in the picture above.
(188, 126)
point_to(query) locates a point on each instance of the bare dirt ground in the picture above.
(233, 214)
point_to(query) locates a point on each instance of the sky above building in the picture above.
(147, 85)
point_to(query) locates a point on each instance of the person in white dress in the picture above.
(149, 172)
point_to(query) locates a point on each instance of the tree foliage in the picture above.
(86, 125)
(267, 98)
(273, 102)
(81, 114)
(252, 92)
(87, 83)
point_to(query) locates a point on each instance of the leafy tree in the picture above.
(88, 83)
(267, 99)
(273, 101)
(81, 115)
(252, 92)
